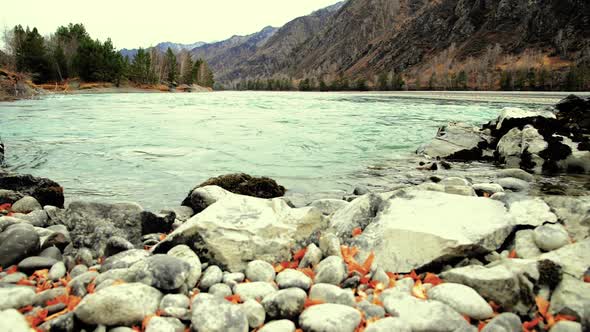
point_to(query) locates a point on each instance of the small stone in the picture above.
(212, 275)
(157, 223)
(463, 299)
(254, 290)
(330, 245)
(16, 297)
(84, 256)
(371, 310)
(388, 324)
(214, 314)
(34, 263)
(221, 290)
(312, 257)
(163, 272)
(328, 293)
(64, 322)
(254, 312)
(78, 270)
(331, 270)
(551, 237)
(57, 271)
(487, 188)
(286, 303)
(26, 205)
(13, 321)
(124, 259)
(292, 278)
(13, 278)
(423, 315)
(381, 277)
(41, 299)
(505, 322)
(17, 242)
(176, 305)
(80, 283)
(124, 304)
(117, 244)
(283, 325)
(513, 184)
(260, 271)
(185, 253)
(231, 279)
(525, 246)
(330, 318)
(52, 252)
(164, 324)
(566, 326)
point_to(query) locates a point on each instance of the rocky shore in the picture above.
(447, 254)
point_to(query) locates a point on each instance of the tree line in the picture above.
(70, 52)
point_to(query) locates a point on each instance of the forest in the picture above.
(71, 53)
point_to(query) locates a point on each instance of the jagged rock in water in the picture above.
(457, 141)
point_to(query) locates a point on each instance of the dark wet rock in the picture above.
(57, 239)
(242, 184)
(214, 314)
(63, 323)
(125, 304)
(286, 303)
(360, 190)
(92, 224)
(574, 116)
(34, 263)
(47, 192)
(16, 243)
(124, 259)
(550, 273)
(157, 223)
(117, 244)
(163, 272)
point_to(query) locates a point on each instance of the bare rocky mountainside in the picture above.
(429, 42)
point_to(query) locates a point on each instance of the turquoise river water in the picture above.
(152, 148)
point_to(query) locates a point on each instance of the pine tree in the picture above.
(187, 75)
(383, 82)
(171, 66)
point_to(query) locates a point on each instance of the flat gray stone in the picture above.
(283, 325)
(286, 303)
(331, 270)
(551, 237)
(292, 278)
(463, 299)
(260, 271)
(254, 312)
(214, 314)
(328, 293)
(254, 290)
(16, 297)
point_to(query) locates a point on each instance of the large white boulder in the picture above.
(237, 229)
(414, 228)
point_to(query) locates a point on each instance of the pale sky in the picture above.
(134, 23)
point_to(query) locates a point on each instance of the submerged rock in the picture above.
(237, 229)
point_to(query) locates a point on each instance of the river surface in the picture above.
(153, 148)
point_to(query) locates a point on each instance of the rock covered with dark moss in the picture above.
(239, 183)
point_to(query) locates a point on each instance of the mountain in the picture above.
(225, 55)
(163, 47)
